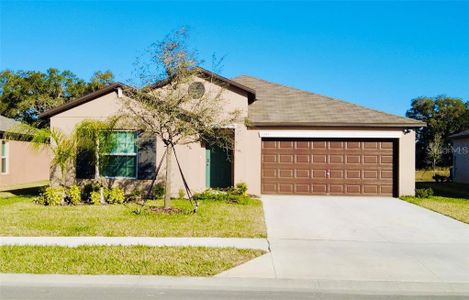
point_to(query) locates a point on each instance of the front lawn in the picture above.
(450, 199)
(134, 260)
(21, 217)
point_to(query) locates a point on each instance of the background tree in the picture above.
(444, 116)
(171, 107)
(26, 94)
(435, 152)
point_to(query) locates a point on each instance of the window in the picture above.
(4, 158)
(122, 159)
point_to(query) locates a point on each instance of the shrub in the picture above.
(95, 197)
(52, 196)
(241, 188)
(158, 190)
(135, 195)
(423, 193)
(74, 195)
(181, 194)
(116, 196)
(233, 195)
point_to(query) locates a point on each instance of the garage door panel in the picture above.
(336, 167)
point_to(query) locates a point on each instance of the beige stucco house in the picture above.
(461, 156)
(293, 142)
(21, 165)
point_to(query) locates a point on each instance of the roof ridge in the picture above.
(328, 97)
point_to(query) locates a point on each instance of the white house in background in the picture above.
(461, 156)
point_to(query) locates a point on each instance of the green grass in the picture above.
(450, 199)
(427, 174)
(135, 260)
(21, 217)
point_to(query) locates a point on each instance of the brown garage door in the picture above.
(328, 167)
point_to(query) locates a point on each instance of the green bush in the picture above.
(116, 196)
(181, 194)
(95, 198)
(241, 188)
(424, 193)
(74, 195)
(158, 190)
(52, 195)
(232, 195)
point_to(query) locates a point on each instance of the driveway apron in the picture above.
(359, 238)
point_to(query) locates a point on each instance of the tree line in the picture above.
(444, 116)
(26, 94)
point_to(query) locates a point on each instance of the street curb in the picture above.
(236, 284)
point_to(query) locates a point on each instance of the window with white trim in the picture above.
(4, 158)
(121, 161)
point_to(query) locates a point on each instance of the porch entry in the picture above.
(218, 167)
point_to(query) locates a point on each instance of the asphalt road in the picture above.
(133, 293)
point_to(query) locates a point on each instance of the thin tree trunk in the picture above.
(97, 175)
(167, 194)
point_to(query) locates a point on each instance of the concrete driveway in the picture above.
(359, 238)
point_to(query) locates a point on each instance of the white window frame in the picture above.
(4, 156)
(124, 154)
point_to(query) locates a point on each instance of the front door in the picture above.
(218, 167)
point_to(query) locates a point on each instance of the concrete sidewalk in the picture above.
(241, 243)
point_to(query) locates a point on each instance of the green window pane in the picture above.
(120, 166)
(4, 148)
(124, 142)
(4, 165)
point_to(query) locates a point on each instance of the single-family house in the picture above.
(20, 164)
(294, 142)
(460, 172)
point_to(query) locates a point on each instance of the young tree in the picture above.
(94, 136)
(435, 151)
(174, 105)
(62, 146)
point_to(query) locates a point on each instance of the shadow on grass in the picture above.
(30, 191)
(446, 189)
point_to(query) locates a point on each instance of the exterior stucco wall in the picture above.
(407, 164)
(191, 156)
(247, 152)
(461, 160)
(25, 165)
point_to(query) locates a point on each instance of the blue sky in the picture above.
(378, 54)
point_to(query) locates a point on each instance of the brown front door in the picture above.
(328, 167)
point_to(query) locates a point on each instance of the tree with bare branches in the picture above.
(174, 106)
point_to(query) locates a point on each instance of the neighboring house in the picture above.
(460, 156)
(294, 142)
(20, 164)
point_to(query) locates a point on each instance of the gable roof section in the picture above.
(279, 105)
(209, 75)
(460, 135)
(79, 101)
(236, 86)
(6, 123)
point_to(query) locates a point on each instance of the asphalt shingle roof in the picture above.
(282, 105)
